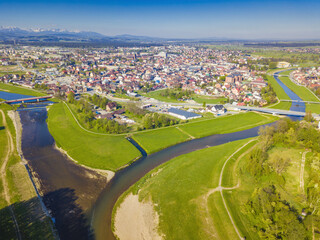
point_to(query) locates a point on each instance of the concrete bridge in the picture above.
(268, 110)
(29, 100)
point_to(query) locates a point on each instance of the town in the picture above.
(152, 77)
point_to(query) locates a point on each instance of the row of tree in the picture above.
(98, 101)
(156, 120)
(268, 93)
(87, 118)
(176, 93)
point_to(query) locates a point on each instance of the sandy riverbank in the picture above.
(14, 115)
(136, 220)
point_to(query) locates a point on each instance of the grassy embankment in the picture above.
(178, 189)
(304, 93)
(93, 150)
(32, 222)
(158, 139)
(20, 90)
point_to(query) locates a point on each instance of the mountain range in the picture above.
(18, 35)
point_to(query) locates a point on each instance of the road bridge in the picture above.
(29, 100)
(268, 110)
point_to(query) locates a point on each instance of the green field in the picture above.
(20, 90)
(156, 95)
(178, 192)
(198, 98)
(313, 107)
(208, 100)
(282, 105)
(93, 150)
(227, 124)
(160, 138)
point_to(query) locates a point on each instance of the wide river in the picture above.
(78, 198)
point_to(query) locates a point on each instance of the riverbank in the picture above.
(14, 115)
(30, 221)
(136, 220)
(105, 173)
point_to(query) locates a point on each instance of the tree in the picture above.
(147, 122)
(272, 65)
(279, 164)
(308, 117)
(70, 97)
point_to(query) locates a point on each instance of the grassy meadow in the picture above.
(20, 90)
(227, 124)
(161, 138)
(93, 150)
(157, 95)
(282, 105)
(153, 141)
(208, 99)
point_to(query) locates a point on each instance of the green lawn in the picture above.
(277, 88)
(93, 150)
(20, 90)
(153, 141)
(227, 124)
(157, 95)
(301, 91)
(282, 105)
(198, 98)
(178, 189)
(207, 99)
(313, 107)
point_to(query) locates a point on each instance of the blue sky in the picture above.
(246, 19)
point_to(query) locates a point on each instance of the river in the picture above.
(296, 106)
(79, 198)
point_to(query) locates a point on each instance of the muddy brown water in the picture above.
(68, 189)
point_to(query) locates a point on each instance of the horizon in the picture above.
(231, 20)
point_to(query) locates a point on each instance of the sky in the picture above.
(232, 19)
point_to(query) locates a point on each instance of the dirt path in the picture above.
(10, 149)
(184, 132)
(303, 160)
(220, 188)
